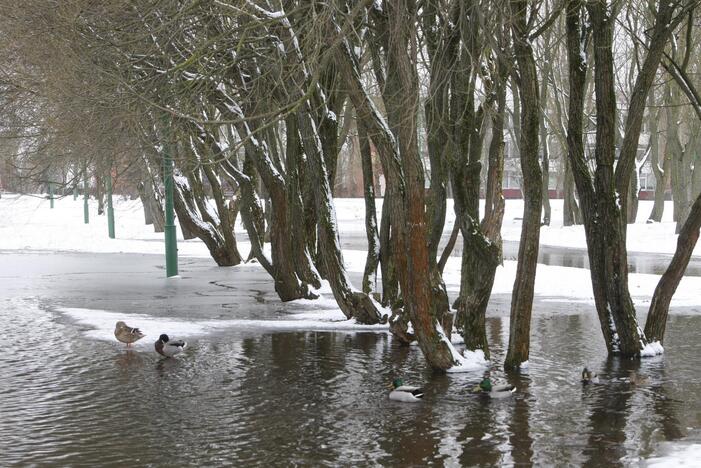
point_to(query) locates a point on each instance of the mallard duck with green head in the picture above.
(486, 387)
(405, 393)
(169, 348)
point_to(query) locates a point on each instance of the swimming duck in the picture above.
(165, 347)
(494, 391)
(127, 334)
(637, 379)
(405, 393)
(589, 377)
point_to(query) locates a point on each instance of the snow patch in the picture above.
(676, 455)
(102, 323)
(468, 361)
(652, 349)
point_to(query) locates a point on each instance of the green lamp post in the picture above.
(169, 228)
(110, 209)
(86, 189)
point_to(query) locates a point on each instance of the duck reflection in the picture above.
(166, 366)
(128, 360)
(519, 424)
(610, 407)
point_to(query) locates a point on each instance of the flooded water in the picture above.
(247, 395)
(638, 262)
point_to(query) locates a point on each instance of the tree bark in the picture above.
(373, 257)
(522, 296)
(659, 306)
(407, 186)
(354, 304)
(661, 173)
(545, 164)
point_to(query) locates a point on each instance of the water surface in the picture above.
(248, 396)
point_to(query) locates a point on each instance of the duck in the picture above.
(589, 377)
(494, 391)
(169, 348)
(127, 334)
(405, 393)
(637, 379)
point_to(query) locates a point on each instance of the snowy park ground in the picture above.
(28, 224)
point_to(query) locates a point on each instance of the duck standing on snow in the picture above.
(494, 391)
(127, 334)
(405, 393)
(169, 348)
(589, 377)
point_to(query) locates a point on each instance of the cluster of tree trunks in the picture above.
(261, 101)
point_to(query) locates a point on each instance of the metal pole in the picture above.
(86, 196)
(169, 228)
(110, 209)
(51, 195)
(75, 192)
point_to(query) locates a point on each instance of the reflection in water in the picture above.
(609, 403)
(520, 437)
(320, 398)
(128, 360)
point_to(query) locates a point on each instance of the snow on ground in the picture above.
(676, 454)
(27, 223)
(101, 324)
(641, 237)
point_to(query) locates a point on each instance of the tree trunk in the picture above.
(571, 213)
(226, 222)
(148, 216)
(295, 188)
(373, 257)
(388, 255)
(354, 304)
(633, 197)
(577, 67)
(609, 230)
(545, 165)
(659, 306)
(408, 200)
(522, 296)
(100, 194)
(249, 216)
(661, 32)
(186, 210)
(661, 173)
(486, 248)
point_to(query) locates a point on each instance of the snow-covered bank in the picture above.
(641, 237)
(101, 324)
(27, 223)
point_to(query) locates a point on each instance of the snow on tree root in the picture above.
(651, 349)
(468, 361)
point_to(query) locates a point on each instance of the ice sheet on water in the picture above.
(102, 323)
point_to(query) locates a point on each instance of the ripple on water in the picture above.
(262, 397)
